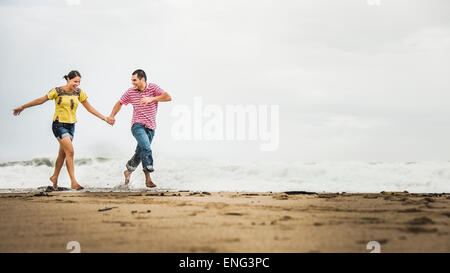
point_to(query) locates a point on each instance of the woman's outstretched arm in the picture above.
(92, 110)
(35, 102)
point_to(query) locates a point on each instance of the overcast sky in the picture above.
(353, 81)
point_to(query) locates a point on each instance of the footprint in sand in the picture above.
(415, 229)
(421, 221)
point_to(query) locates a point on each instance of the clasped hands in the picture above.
(110, 120)
(145, 100)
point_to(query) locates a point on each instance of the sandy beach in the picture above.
(155, 221)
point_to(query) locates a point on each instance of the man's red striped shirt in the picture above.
(144, 114)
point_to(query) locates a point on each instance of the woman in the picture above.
(66, 102)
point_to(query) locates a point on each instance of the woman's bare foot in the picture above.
(148, 181)
(127, 175)
(76, 186)
(54, 180)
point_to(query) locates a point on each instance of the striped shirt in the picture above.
(144, 114)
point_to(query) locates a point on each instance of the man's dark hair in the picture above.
(140, 74)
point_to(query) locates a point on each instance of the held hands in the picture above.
(110, 120)
(146, 100)
(17, 111)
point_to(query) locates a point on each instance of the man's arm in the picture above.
(161, 98)
(115, 109)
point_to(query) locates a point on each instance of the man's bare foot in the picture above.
(127, 175)
(76, 186)
(148, 181)
(150, 184)
(54, 180)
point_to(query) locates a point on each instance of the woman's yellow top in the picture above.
(66, 103)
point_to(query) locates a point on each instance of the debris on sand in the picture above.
(42, 193)
(203, 193)
(107, 208)
(155, 194)
(234, 213)
(50, 189)
(299, 192)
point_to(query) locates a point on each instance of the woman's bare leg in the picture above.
(66, 144)
(58, 165)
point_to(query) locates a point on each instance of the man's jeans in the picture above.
(143, 153)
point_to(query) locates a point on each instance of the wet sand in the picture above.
(224, 222)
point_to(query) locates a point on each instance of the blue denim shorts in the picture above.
(61, 129)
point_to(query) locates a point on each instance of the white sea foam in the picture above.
(99, 174)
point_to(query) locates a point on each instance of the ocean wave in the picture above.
(51, 163)
(216, 175)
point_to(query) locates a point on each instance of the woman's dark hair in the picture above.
(140, 74)
(72, 74)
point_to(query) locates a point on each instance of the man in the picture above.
(144, 98)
